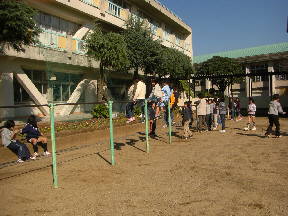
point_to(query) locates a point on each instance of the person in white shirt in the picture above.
(251, 125)
(201, 113)
(136, 94)
(8, 135)
(156, 96)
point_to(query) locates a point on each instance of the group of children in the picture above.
(33, 136)
(212, 112)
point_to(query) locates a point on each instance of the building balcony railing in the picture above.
(93, 3)
(114, 9)
(60, 42)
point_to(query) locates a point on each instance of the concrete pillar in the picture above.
(75, 97)
(248, 83)
(31, 89)
(90, 95)
(208, 84)
(6, 94)
(272, 79)
(83, 31)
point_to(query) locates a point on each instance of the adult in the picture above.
(136, 93)
(201, 113)
(165, 101)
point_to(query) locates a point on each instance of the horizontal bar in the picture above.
(83, 103)
(25, 105)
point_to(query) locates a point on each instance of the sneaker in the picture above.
(278, 136)
(246, 128)
(32, 158)
(253, 129)
(267, 135)
(222, 131)
(36, 154)
(20, 161)
(46, 153)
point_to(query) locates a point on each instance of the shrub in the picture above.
(100, 111)
(137, 110)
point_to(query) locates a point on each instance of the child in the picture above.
(8, 135)
(273, 115)
(34, 136)
(238, 109)
(152, 118)
(251, 115)
(209, 113)
(215, 113)
(222, 112)
(187, 116)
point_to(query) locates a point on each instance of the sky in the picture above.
(221, 25)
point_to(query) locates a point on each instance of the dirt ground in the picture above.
(236, 173)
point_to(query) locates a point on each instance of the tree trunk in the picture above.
(101, 85)
(136, 73)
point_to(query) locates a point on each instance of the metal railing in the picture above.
(114, 9)
(111, 133)
(90, 2)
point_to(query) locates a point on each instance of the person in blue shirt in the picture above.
(34, 136)
(165, 101)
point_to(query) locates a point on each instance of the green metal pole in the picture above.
(146, 128)
(169, 122)
(54, 162)
(111, 133)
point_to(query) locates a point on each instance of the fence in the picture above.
(54, 140)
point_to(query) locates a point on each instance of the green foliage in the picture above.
(173, 63)
(143, 51)
(100, 111)
(110, 49)
(220, 66)
(137, 111)
(17, 25)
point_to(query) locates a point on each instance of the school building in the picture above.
(60, 57)
(262, 59)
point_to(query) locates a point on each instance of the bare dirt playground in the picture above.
(236, 173)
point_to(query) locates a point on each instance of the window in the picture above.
(39, 79)
(56, 24)
(61, 89)
(281, 67)
(259, 68)
(64, 85)
(20, 94)
(167, 33)
(153, 26)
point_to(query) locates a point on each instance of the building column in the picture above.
(6, 94)
(66, 110)
(272, 79)
(248, 83)
(208, 84)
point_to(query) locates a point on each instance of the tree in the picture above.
(174, 64)
(142, 49)
(17, 25)
(221, 66)
(110, 49)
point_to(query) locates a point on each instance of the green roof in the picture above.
(241, 53)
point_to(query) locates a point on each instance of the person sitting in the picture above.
(8, 135)
(34, 136)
